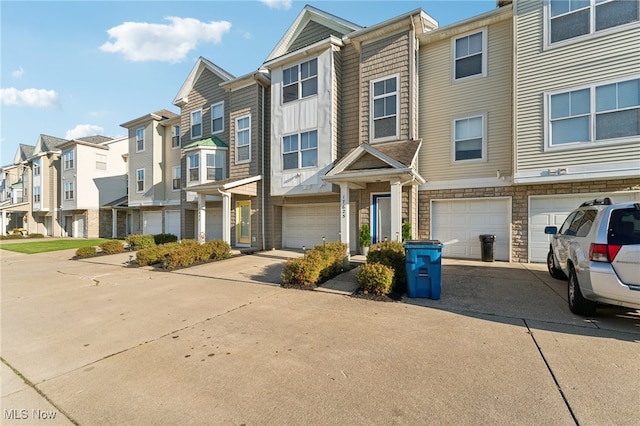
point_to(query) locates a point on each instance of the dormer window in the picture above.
(300, 81)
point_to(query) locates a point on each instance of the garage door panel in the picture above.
(552, 211)
(305, 225)
(172, 223)
(466, 220)
(213, 223)
(152, 223)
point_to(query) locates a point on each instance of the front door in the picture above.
(381, 228)
(243, 222)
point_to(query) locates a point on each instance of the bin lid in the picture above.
(422, 243)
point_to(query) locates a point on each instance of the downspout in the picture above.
(412, 65)
(262, 173)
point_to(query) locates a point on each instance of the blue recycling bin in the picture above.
(423, 262)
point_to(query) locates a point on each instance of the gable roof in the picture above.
(97, 139)
(48, 143)
(200, 65)
(308, 14)
(161, 115)
(23, 153)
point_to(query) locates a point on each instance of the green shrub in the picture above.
(12, 237)
(391, 254)
(219, 250)
(83, 252)
(112, 247)
(182, 256)
(36, 235)
(319, 264)
(140, 241)
(165, 238)
(375, 278)
(154, 254)
(406, 231)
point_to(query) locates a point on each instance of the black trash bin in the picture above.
(487, 242)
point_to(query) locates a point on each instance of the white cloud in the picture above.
(141, 41)
(247, 35)
(277, 4)
(18, 73)
(83, 130)
(37, 98)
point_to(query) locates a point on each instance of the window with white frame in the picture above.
(193, 165)
(101, 161)
(385, 117)
(175, 138)
(300, 81)
(68, 159)
(243, 139)
(603, 112)
(139, 180)
(469, 142)
(574, 18)
(36, 167)
(140, 139)
(298, 155)
(175, 178)
(217, 117)
(215, 166)
(36, 194)
(470, 58)
(68, 190)
(196, 124)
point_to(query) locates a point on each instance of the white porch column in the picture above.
(226, 217)
(114, 223)
(3, 222)
(344, 216)
(396, 210)
(202, 217)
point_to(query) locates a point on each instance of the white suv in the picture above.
(598, 248)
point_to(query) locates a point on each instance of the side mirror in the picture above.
(551, 230)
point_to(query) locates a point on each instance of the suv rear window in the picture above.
(624, 227)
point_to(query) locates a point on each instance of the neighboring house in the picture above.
(15, 201)
(225, 122)
(93, 176)
(576, 112)
(153, 165)
(344, 137)
(466, 130)
(45, 165)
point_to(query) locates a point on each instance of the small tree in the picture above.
(406, 231)
(365, 235)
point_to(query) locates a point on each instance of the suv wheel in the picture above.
(551, 266)
(577, 303)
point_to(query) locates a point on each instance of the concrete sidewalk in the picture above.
(99, 343)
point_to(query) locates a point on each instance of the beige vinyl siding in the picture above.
(442, 100)
(243, 102)
(348, 100)
(384, 58)
(600, 58)
(140, 160)
(312, 33)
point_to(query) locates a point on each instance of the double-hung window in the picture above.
(300, 151)
(597, 113)
(300, 81)
(140, 180)
(243, 139)
(196, 124)
(68, 159)
(36, 167)
(68, 190)
(193, 164)
(101, 161)
(215, 166)
(469, 141)
(385, 117)
(470, 58)
(36, 194)
(568, 19)
(217, 118)
(175, 178)
(140, 139)
(175, 139)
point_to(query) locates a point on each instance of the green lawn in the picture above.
(32, 247)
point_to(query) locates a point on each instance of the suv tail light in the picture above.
(603, 252)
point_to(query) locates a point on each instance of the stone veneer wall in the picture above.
(520, 204)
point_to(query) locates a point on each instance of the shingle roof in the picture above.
(97, 139)
(403, 152)
(49, 143)
(26, 151)
(165, 113)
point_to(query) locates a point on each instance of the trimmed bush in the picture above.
(319, 264)
(112, 247)
(391, 254)
(219, 250)
(165, 238)
(11, 237)
(375, 278)
(140, 241)
(185, 253)
(35, 235)
(155, 254)
(83, 252)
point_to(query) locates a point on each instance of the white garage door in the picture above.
(466, 220)
(213, 223)
(152, 223)
(172, 223)
(305, 225)
(552, 211)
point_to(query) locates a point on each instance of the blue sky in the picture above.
(78, 68)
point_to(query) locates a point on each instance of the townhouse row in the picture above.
(500, 124)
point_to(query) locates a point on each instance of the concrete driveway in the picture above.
(95, 343)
